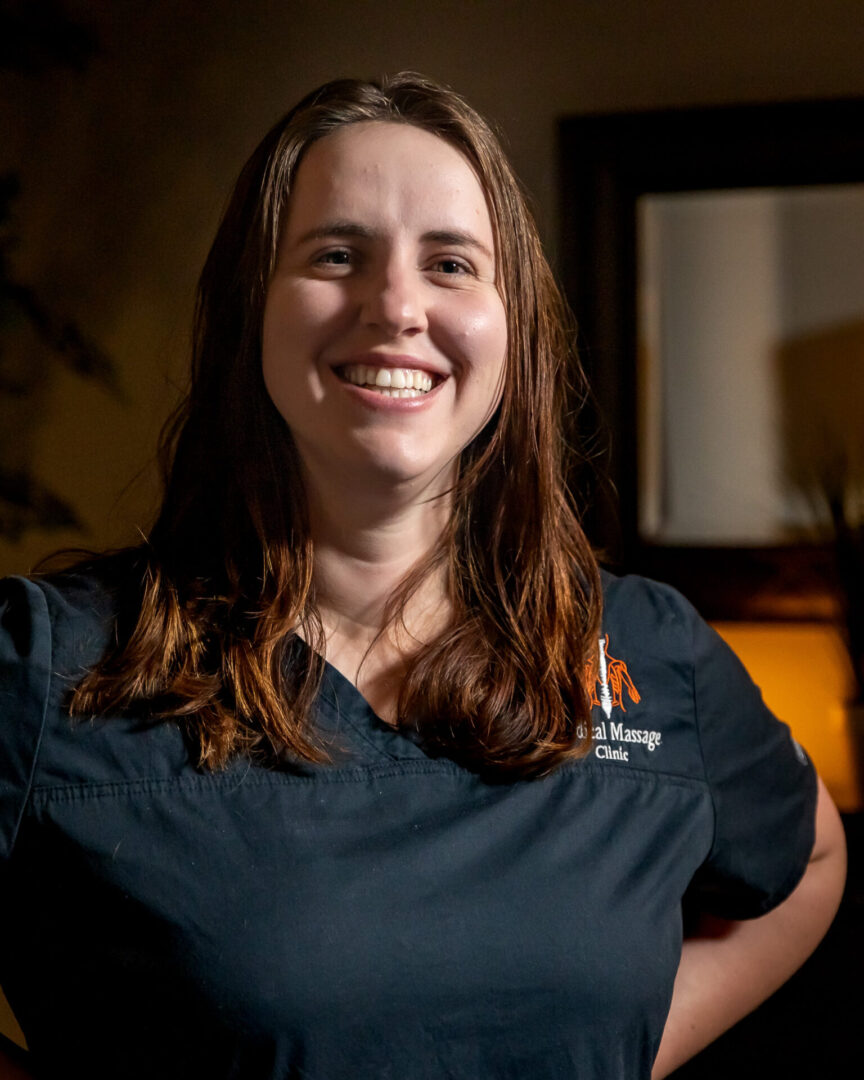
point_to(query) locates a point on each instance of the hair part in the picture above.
(228, 584)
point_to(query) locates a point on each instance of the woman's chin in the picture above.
(400, 474)
(379, 469)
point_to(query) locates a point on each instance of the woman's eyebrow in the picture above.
(336, 229)
(354, 230)
(457, 238)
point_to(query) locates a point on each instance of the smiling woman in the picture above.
(384, 332)
(348, 790)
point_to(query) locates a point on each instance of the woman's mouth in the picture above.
(390, 382)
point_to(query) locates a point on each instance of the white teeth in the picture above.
(395, 380)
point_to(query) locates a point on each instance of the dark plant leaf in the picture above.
(64, 338)
(26, 503)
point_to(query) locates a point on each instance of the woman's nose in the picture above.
(394, 300)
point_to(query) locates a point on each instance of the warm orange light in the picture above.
(806, 679)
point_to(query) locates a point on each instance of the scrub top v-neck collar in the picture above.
(356, 728)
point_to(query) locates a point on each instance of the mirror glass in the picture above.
(751, 362)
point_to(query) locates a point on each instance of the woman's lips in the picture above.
(384, 385)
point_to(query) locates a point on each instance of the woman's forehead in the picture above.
(395, 169)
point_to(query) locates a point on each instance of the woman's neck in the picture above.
(364, 548)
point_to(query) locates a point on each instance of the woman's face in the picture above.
(384, 332)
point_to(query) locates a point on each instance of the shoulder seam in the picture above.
(698, 730)
(216, 782)
(34, 590)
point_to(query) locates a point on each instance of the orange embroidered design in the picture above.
(607, 678)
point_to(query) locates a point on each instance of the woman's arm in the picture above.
(729, 968)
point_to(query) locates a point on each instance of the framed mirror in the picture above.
(715, 261)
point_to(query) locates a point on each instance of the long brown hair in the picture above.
(227, 580)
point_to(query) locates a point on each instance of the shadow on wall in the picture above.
(34, 341)
(821, 386)
(34, 338)
(821, 383)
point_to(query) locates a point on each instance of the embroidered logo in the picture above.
(607, 679)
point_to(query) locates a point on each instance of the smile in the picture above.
(391, 382)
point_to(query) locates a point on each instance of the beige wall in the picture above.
(126, 166)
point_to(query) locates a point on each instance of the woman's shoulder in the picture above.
(51, 628)
(68, 613)
(647, 610)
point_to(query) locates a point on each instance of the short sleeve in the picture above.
(25, 670)
(762, 784)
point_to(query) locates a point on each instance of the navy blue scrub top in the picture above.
(390, 915)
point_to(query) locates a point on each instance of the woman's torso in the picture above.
(389, 915)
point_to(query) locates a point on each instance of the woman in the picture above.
(369, 776)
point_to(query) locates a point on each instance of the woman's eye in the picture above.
(339, 257)
(451, 266)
